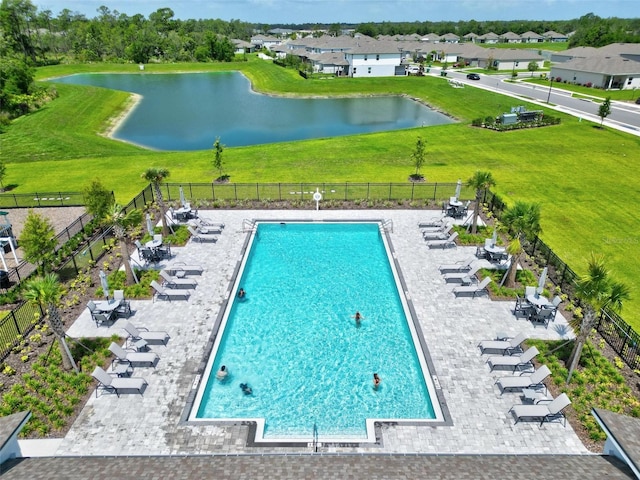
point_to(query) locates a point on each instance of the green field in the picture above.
(584, 177)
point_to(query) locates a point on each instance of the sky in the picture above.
(355, 11)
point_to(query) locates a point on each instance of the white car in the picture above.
(412, 70)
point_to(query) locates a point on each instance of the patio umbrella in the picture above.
(150, 225)
(182, 199)
(105, 283)
(494, 239)
(458, 189)
(542, 280)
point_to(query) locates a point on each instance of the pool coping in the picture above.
(251, 440)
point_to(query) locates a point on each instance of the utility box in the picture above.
(509, 118)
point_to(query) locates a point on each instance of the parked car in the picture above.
(413, 70)
(473, 76)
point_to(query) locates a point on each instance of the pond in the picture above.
(188, 112)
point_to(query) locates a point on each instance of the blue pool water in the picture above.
(294, 341)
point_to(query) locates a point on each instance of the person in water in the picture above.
(246, 389)
(222, 373)
(376, 381)
(358, 317)
(241, 293)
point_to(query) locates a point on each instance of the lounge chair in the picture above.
(546, 412)
(141, 333)
(438, 222)
(534, 381)
(207, 222)
(472, 290)
(460, 276)
(441, 234)
(175, 282)
(198, 237)
(181, 269)
(169, 293)
(118, 385)
(461, 266)
(449, 242)
(513, 362)
(148, 359)
(506, 347)
(206, 228)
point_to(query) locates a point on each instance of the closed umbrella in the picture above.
(542, 280)
(105, 283)
(458, 189)
(494, 239)
(150, 225)
(182, 199)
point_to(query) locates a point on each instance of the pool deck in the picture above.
(452, 327)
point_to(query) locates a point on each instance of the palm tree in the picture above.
(481, 181)
(46, 292)
(598, 290)
(121, 221)
(155, 176)
(523, 220)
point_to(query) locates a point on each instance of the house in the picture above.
(430, 38)
(264, 41)
(552, 36)
(531, 37)
(450, 38)
(454, 52)
(488, 38)
(242, 46)
(602, 71)
(571, 53)
(510, 37)
(281, 32)
(508, 58)
(471, 37)
(373, 58)
(332, 63)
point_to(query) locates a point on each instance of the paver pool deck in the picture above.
(452, 327)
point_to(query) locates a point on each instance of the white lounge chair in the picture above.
(181, 269)
(207, 222)
(206, 228)
(148, 359)
(461, 266)
(513, 362)
(449, 242)
(460, 276)
(506, 347)
(534, 381)
(472, 290)
(441, 234)
(175, 282)
(546, 412)
(118, 385)
(201, 237)
(169, 293)
(141, 333)
(437, 222)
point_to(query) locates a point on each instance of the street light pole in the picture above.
(550, 85)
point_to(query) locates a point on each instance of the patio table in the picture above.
(538, 300)
(108, 306)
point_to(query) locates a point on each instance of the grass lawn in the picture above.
(580, 174)
(586, 92)
(553, 46)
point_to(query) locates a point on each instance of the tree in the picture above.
(598, 290)
(523, 220)
(532, 67)
(481, 182)
(121, 222)
(45, 291)
(155, 176)
(38, 240)
(418, 157)
(97, 200)
(604, 110)
(218, 148)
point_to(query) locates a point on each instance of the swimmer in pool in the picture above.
(246, 389)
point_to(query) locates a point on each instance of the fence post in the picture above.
(257, 191)
(413, 187)
(15, 322)
(279, 191)
(435, 190)
(389, 191)
(235, 189)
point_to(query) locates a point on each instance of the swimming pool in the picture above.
(294, 341)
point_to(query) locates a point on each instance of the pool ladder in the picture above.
(387, 225)
(248, 225)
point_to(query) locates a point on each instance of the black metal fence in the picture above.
(619, 334)
(41, 199)
(16, 325)
(201, 193)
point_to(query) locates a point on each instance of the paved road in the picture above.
(624, 116)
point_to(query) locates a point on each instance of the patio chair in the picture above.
(138, 244)
(460, 276)
(449, 242)
(523, 308)
(529, 291)
(461, 266)
(556, 301)
(181, 269)
(148, 359)
(545, 412)
(157, 238)
(513, 362)
(175, 282)
(118, 385)
(169, 294)
(124, 309)
(141, 333)
(534, 381)
(543, 316)
(472, 290)
(102, 318)
(163, 251)
(506, 347)
(481, 252)
(148, 255)
(442, 234)
(197, 237)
